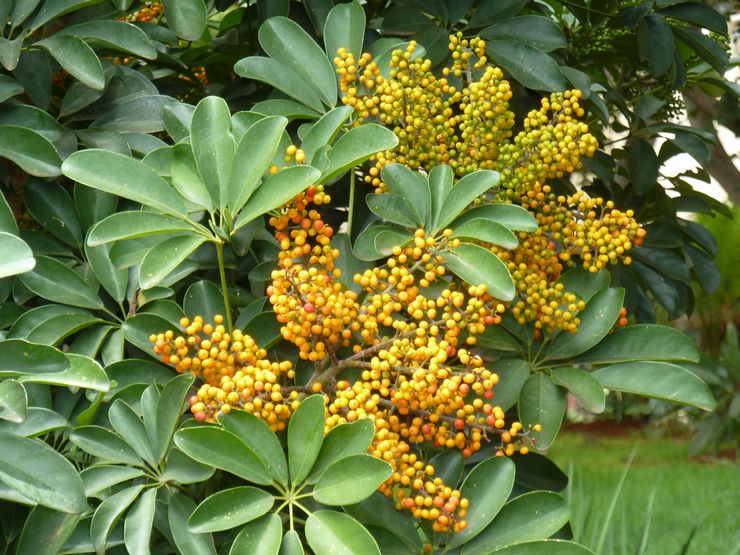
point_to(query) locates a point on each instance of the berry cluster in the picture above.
(151, 11)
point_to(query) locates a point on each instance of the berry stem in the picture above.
(351, 203)
(224, 286)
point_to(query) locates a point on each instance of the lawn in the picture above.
(691, 496)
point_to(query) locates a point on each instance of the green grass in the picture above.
(689, 495)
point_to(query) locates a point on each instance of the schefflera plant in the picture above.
(212, 183)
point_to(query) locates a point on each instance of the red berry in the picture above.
(459, 424)
(308, 307)
(193, 399)
(200, 416)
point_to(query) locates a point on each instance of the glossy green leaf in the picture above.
(345, 28)
(655, 44)
(169, 410)
(275, 191)
(281, 77)
(113, 279)
(52, 207)
(222, 449)
(378, 510)
(140, 327)
(643, 165)
(392, 209)
(463, 193)
(38, 421)
(187, 18)
(365, 247)
(125, 177)
(45, 531)
(660, 380)
(105, 445)
(583, 283)
(286, 42)
(30, 150)
(487, 231)
(108, 513)
(541, 402)
(477, 266)
(166, 257)
(583, 385)
(291, 544)
(487, 487)
(18, 358)
(350, 480)
(52, 280)
(532, 516)
(139, 520)
(184, 470)
(77, 58)
(534, 30)
(537, 472)
(258, 436)
(9, 88)
(528, 65)
(132, 224)
(259, 537)
(57, 328)
(252, 159)
(230, 508)
(334, 533)
(356, 146)
(127, 423)
(597, 319)
(18, 256)
(101, 477)
(13, 401)
(440, 179)
(511, 216)
(325, 130)
(412, 188)
(117, 35)
(213, 147)
(305, 436)
(82, 372)
(342, 441)
(642, 342)
(544, 547)
(697, 13)
(180, 509)
(39, 473)
(204, 298)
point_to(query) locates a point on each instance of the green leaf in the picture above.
(660, 380)
(532, 516)
(127, 423)
(351, 479)
(108, 513)
(132, 224)
(181, 468)
(583, 385)
(105, 445)
(541, 402)
(655, 44)
(18, 358)
(697, 13)
(477, 266)
(643, 165)
(260, 537)
(367, 247)
(10, 52)
(486, 231)
(345, 28)
(305, 436)
(357, 145)
(117, 35)
(82, 372)
(463, 193)
(30, 150)
(487, 487)
(230, 508)
(13, 401)
(59, 327)
(379, 510)
(37, 472)
(705, 47)
(180, 509)
(642, 342)
(412, 188)
(511, 216)
(9, 88)
(17, 256)
(535, 471)
(38, 421)
(583, 283)
(187, 18)
(342, 441)
(534, 30)
(169, 410)
(45, 531)
(258, 436)
(597, 319)
(77, 58)
(213, 147)
(125, 177)
(334, 533)
(291, 544)
(222, 449)
(140, 327)
(498, 339)
(52, 207)
(166, 257)
(137, 528)
(52, 280)
(275, 191)
(204, 298)
(440, 183)
(187, 180)
(283, 78)
(113, 279)
(325, 130)
(286, 42)
(528, 65)
(544, 547)
(393, 209)
(488, 12)
(101, 477)
(252, 159)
